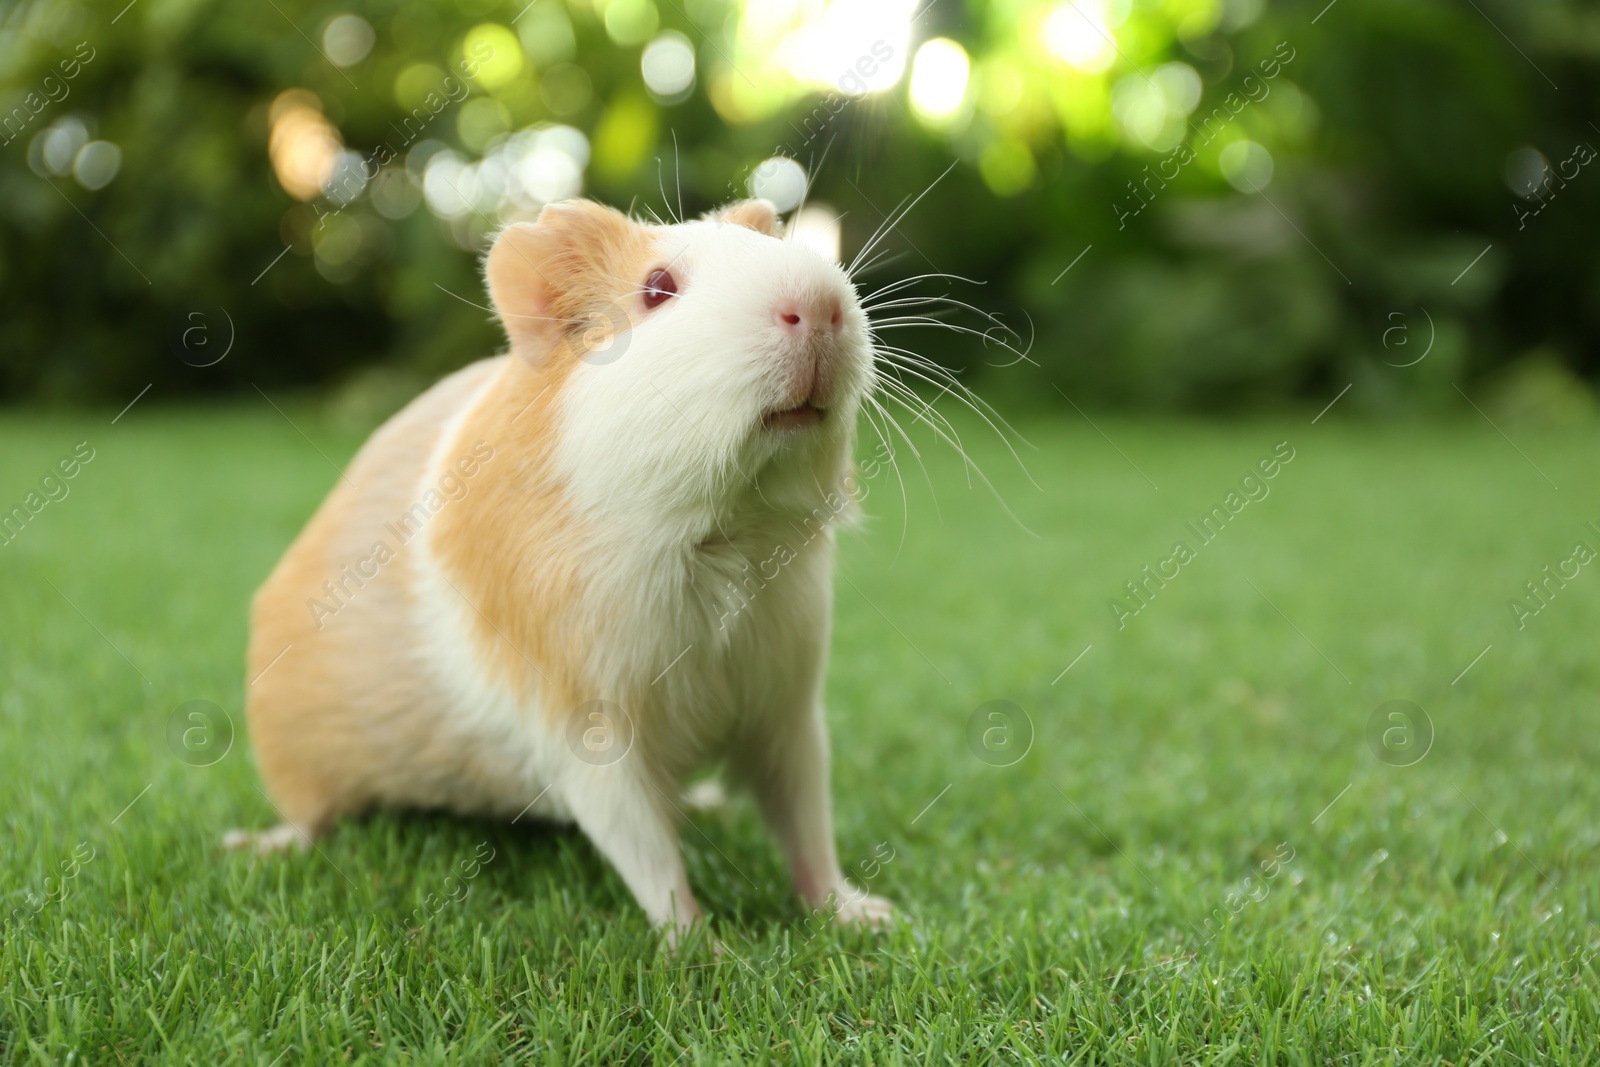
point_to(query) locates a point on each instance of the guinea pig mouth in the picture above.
(799, 417)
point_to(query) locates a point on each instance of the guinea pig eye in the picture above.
(658, 287)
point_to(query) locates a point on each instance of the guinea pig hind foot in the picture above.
(280, 838)
(865, 910)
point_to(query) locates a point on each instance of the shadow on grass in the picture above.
(425, 865)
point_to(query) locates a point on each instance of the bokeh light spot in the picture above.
(1526, 171)
(1007, 167)
(1246, 165)
(1078, 32)
(415, 82)
(668, 66)
(59, 145)
(492, 54)
(303, 145)
(347, 40)
(631, 22)
(480, 120)
(625, 136)
(96, 164)
(816, 226)
(566, 89)
(780, 180)
(939, 79)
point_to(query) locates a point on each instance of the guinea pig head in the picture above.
(692, 353)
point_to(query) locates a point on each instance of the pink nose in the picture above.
(801, 317)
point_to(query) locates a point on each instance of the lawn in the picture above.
(1203, 843)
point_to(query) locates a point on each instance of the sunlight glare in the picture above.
(1079, 33)
(939, 79)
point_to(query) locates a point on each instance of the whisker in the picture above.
(677, 172)
(872, 240)
(938, 317)
(907, 302)
(879, 258)
(897, 356)
(918, 360)
(509, 314)
(978, 470)
(943, 300)
(1022, 355)
(661, 185)
(904, 376)
(896, 218)
(888, 448)
(988, 336)
(937, 376)
(903, 282)
(905, 503)
(811, 176)
(908, 394)
(968, 463)
(904, 395)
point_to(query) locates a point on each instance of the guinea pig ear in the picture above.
(520, 273)
(542, 275)
(758, 215)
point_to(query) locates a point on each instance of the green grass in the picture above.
(1054, 909)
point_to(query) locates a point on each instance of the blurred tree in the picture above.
(1183, 203)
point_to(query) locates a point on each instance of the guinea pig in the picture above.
(562, 581)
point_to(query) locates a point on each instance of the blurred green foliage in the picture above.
(1423, 186)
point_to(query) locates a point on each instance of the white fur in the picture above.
(685, 490)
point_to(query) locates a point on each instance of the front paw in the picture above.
(685, 929)
(856, 907)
